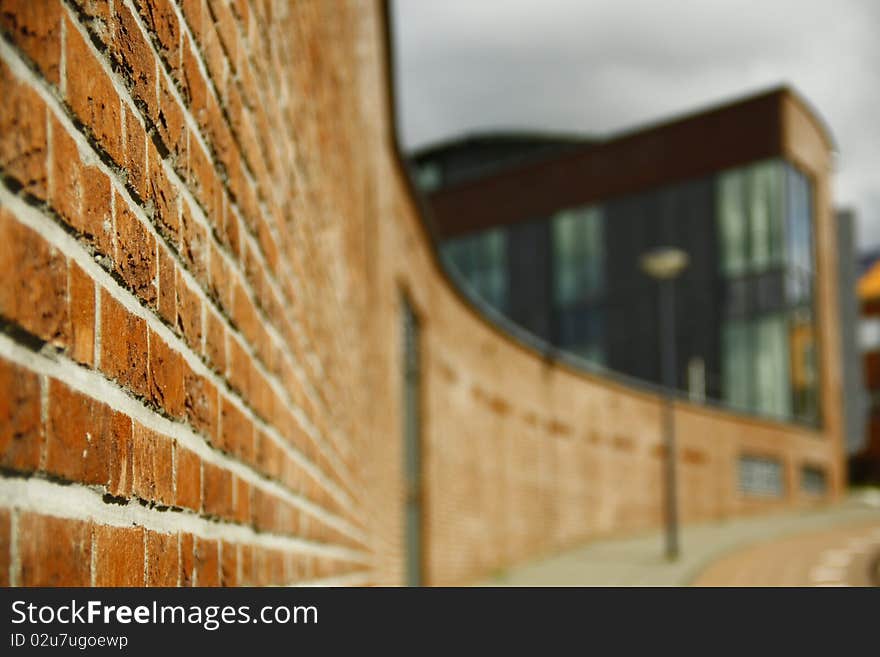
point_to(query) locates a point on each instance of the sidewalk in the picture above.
(638, 561)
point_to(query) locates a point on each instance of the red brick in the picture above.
(200, 399)
(34, 290)
(5, 546)
(152, 466)
(194, 247)
(189, 479)
(202, 180)
(189, 314)
(123, 345)
(22, 135)
(219, 288)
(82, 315)
(207, 567)
(246, 561)
(171, 126)
(87, 441)
(242, 501)
(166, 377)
(215, 341)
(161, 21)
(119, 556)
(90, 94)
(187, 560)
(80, 193)
(21, 430)
(135, 254)
(236, 432)
(163, 196)
(35, 28)
(136, 155)
(195, 91)
(167, 287)
(54, 551)
(163, 564)
(135, 59)
(218, 491)
(228, 564)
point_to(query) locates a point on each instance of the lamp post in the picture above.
(664, 265)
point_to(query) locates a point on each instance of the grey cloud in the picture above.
(609, 65)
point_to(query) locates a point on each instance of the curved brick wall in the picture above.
(203, 239)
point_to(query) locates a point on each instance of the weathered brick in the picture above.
(34, 290)
(23, 146)
(152, 466)
(162, 195)
(123, 345)
(163, 564)
(135, 253)
(195, 90)
(136, 155)
(228, 564)
(167, 287)
(236, 432)
(189, 479)
(194, 248)
(219, 288)
(54, 551)
(21, 429)
(35, 28)
(166, 377)
(82, 315)
(218, 491)
(215, 341)
(90, 94)
(119, 556)
(80, 193)
(171, 126)
(161, 21)
(189, 313)
(200, 400)
(135, 59)
(207, 566)
(242, 501)
(187, 560)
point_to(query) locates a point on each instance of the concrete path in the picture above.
(716, 553)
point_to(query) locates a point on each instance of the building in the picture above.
(552, 239)
(230, 353)
(865, 458)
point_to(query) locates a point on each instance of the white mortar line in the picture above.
(92, 385)
(14, 557)
(78, 502)
(90, 158)
(122, 93)
(189, 38)
(66, 244)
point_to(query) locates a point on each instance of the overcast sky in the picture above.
(599, 66)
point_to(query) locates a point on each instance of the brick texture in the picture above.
(204, 239)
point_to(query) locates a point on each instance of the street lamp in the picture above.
(664, 264)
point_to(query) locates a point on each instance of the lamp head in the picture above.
(664, 262)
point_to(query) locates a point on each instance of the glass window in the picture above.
(760, 475)
(736, 363)
(732, 222)
(480, 263)
(577, 255)
(768, 347)
(813, 480)
(772, 381)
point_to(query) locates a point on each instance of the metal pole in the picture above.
(667, 329)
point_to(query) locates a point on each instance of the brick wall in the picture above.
(204, 240)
